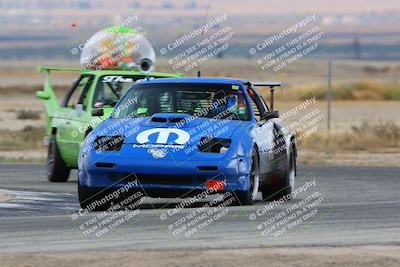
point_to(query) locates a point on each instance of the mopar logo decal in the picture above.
(163, 134)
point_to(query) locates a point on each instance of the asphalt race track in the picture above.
(359, 206)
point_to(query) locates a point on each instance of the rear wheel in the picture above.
(274, 192)
(248, 197)
(57, 170)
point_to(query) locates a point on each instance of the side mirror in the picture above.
(97, 112)
(273, 114)
(43, 95)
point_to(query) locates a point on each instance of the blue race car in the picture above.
(180, 137)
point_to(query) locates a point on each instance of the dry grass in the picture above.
(27, 138)
(352, 91)
(31, 89)
(364, 137)
(28, 115)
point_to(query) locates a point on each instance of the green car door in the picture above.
(75, 116)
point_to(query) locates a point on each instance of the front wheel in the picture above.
(286, 186)
(248, 197)
(57, 170)
(92, 200)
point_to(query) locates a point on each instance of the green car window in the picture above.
(76, 96)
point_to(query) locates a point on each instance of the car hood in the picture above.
(168, 128)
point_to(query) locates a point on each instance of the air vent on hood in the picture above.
(158, 119)
(173, 120)
(178, 119)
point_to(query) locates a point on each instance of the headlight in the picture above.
(214, 145)
(108, 143)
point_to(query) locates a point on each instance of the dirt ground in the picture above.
(346, 158)
(315, 256)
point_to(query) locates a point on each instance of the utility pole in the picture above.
(357, 49)
(329, 96)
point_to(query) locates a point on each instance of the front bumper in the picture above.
(114, 169)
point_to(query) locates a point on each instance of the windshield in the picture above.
(110, 88)
(219, 101)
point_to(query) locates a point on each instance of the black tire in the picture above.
(278, 191)
(87, 197)
(57, 170)
(248, 197)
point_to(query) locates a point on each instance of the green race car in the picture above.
(89, 101)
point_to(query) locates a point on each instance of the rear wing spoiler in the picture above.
(271, 86)
(47, 95)
(46, 69)
(267, 84)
